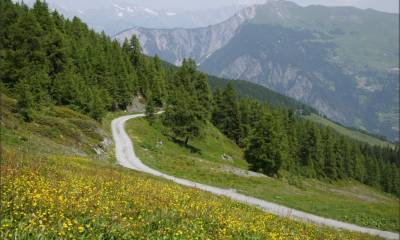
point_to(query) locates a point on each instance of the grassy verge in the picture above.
(203, 162)
(62, 197)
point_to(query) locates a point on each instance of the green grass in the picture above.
(61, 197)
(53, 130)
(359, 136)
(348, 201)
(51, 192)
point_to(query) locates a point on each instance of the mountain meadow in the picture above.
(61, 86)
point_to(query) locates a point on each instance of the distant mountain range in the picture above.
(114, 16)
(343, 61)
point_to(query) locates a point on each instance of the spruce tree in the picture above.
(150, 109)
(181, 118)
(330, 164)
(25, 100)
(267, 148)
(185, 112)
(226, 116)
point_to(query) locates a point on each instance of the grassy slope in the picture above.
(77, 198)
(54, 130)
(359, 136)
(348, 201)
(55, 187)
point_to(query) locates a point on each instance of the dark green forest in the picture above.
(247, 89)
(46, 59)
(278, 139)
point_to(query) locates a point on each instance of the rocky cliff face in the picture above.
(334, 59)
(199, 43)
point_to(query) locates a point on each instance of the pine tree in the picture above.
(185, 111)
(245, 119)
(349, 160)
(372, 169)
(359, 165)
(25, 100)
(97, 106)
(340, 152)
(330, 165)
(226, 116)
(180, 117)
(267, 148)
(135, 51)
(157, 86)
(150, 109)
(311, 153)
(204, 97)
(293, 144)
(218, 112)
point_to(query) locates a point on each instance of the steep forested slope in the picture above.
(254, 91)
(48, 59)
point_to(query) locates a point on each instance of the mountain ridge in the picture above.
(215, 36)
(331, 58)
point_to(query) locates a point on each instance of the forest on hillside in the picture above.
(46, 59)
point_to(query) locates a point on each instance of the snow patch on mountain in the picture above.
(118, 7)
(150, 11)
(170, 14)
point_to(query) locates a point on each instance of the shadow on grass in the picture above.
(182, 144)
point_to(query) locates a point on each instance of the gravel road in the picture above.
(126, 157)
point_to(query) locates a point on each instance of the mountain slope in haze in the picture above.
(250, 90)
(113, 16)
(332, 58)
(173, 45)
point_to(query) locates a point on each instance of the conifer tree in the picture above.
(135, 51)
(226, 116)
(267, 147)
(25, 100)
(185, 112)
(150, 108)
(180, 117)
(97, 105)
(330, 157)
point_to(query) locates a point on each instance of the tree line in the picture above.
(47, 59)
(278, 139)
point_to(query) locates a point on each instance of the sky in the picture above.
(381, 5)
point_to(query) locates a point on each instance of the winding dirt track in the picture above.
(127, 158)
